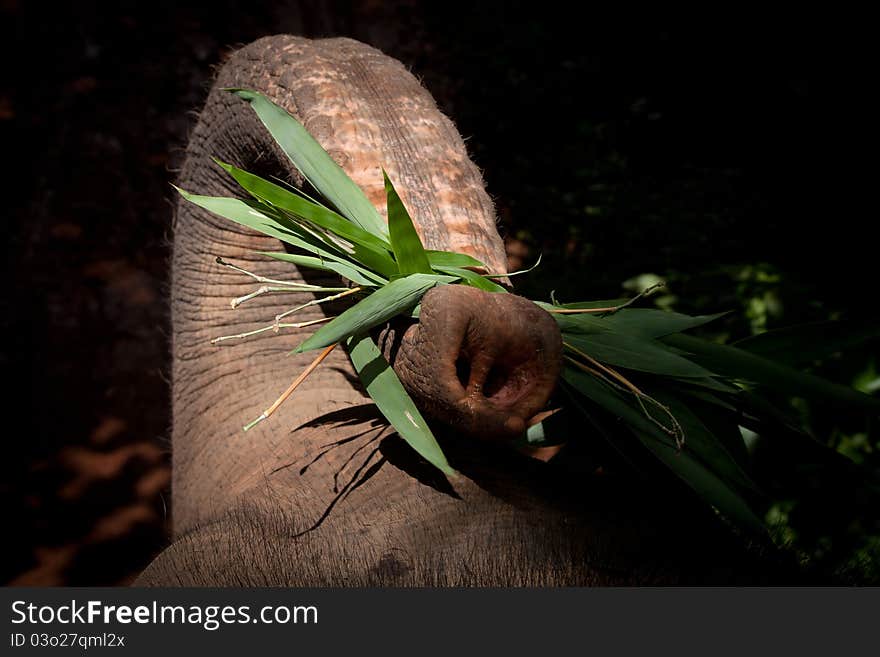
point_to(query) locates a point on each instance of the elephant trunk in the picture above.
(482, 363)
(369, 113)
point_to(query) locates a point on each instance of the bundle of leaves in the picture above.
(683, 400)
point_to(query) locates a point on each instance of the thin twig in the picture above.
(315, 302)
(293, 386)
(605, 372)
(610, 310)
(516, 273)
(263, 279)
(266, 289)
(275, 326)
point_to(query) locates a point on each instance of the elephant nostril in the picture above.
(495, 382)
(504, 387)
(463, 370)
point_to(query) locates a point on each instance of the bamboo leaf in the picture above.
(653, 323)
(389, 395)
(398, 296)
(314, 163)
(701, 442)
(408, 249)
(635, 353)
(473, 279)
(805, 343)
(369, 250)
(741, 364)
(706, 484)
(589, 305)
(341, 268)
(260, 218)
(700, 478)
(450, 259)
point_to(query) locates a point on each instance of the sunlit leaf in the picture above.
(398, 296)
(323, 264)
(473, 279)
(315, 164)
(450, 259)
(389, 395)
(260, 218)
(373, 252)
(408, 249)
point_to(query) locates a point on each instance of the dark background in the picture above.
(729, 153)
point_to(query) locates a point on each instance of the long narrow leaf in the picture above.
(450, 259)
(371, 251)
(708, 485)
(408, 249)
(803, 344)
(279, 197)
(741, 364)
(473, 279)
(653, 323)
(386, 390)
(396, 297)
(635, 353)
(314, 163)
(258, 217)
(703, 443)
(343, 269)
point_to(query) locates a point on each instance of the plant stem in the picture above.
(610, 310)
(272, 327)
(516, 273)
(263, 279)
(293, 386)
(604, 372)
(266, 289)
(315, 302)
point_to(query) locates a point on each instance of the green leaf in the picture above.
(389, 395)
(556, 429)
(450, 259)
(260, 218)
(588, 305)
(581, 324)
(701, 442)
(642, 322)
(652, 323)
(706, 484)
(398, 296)
(640, 354)
(805, 343)
(341, 268)
(473, 279)
(724, 425)
(408, 249)
(369, 250)
(284, 199)
(741, 364)
(701, 479)
(314, 163)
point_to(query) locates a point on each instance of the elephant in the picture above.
(325, 493)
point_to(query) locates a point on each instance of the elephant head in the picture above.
(322, 494)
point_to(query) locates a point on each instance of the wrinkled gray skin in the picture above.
(323, 493)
